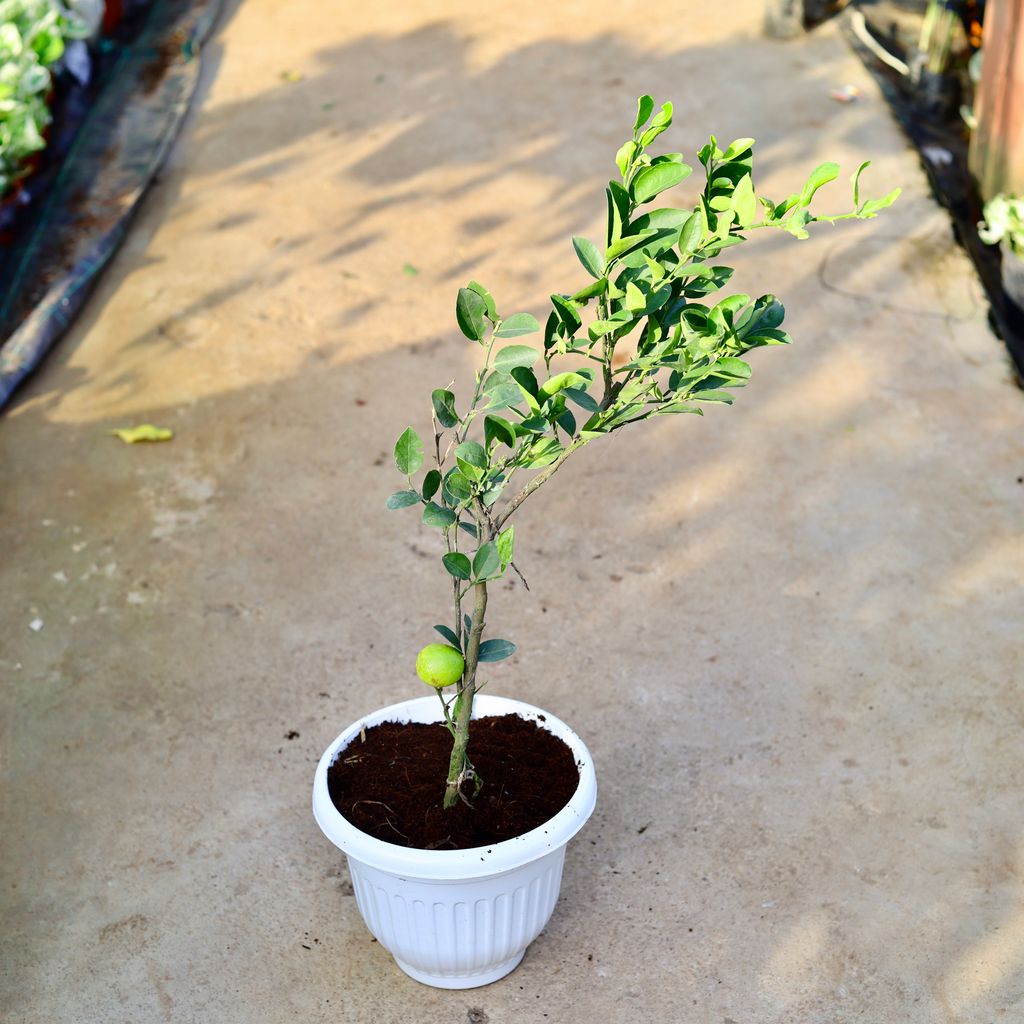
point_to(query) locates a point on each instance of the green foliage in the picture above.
(1004, 218)
(496, 650)
(408, 452)
(648, 291)
(470, 311)
(517, 325)
(32, 39)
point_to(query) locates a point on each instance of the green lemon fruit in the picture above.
(439, 665)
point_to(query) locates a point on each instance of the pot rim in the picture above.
(456, 865)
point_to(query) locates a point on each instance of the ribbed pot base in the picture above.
(463, 980)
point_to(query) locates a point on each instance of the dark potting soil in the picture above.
(390, 784)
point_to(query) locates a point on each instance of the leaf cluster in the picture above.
(650, 289)
(32, 40)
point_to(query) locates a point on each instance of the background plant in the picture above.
(651, 278)
(1004, 218)
(32, 39)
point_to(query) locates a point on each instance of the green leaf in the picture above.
(725, 311)
(486, 296)
(526, 380)
(618, 210)
(663, 217)
(506, 545)
(744, 201)
(517, 325)
(644, 109)
(589, 255)
(431, 482)
(495, 650)
(653, 180)
(623, 158)
(591, 291)
(651, 134)
(498, 429)
(435, 515)
(855, 181)
(472, 459)
(658, 125)
(449, 635)
(487, 561)
(559, 382)
(766, 313)
(493, 490)
(635, 301)
(582, 399)
(543, 452)
(456, 487)
(676, 408)
(567, 421)
(872, 206)
(768, 337)
(515, 355)
(737, 149)
(470, 309)
(599, 328)
(504, 395)
(444, 407)
(457, 565)
(621, 416)
(553, 331)
(821, 175)
(470, 528)
(535, 424)
(409, 452)
(567, 312)
(713, 396)
(794, 223)
(403, 499)
(628, 244)
(732, 367)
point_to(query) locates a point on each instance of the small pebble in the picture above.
(35, 625)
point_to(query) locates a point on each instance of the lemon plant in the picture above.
(647, 289)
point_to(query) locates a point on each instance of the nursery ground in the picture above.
(789, 631)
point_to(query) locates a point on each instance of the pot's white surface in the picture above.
(457, 918)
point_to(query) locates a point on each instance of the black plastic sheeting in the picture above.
(116, 153)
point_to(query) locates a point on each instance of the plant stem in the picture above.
(457, 764)
(536, 482)
(607, 350)
(476, 391)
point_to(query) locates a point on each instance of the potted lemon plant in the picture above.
(455, 809)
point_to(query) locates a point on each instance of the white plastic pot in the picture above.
(457, 918)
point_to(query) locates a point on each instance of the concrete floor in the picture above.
(790, 632)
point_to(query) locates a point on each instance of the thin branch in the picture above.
(536, 482)
(520, 575)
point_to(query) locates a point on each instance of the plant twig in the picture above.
(537, 481)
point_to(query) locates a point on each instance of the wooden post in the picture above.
(997, 145)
